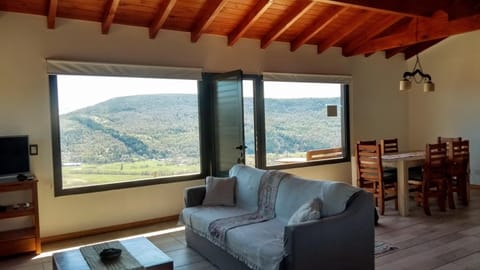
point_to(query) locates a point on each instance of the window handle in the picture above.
(241, 147)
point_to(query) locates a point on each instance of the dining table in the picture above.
(402, 161)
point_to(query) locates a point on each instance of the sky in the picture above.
(76, 92)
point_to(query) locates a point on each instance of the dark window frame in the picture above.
(59, 190)
(205, 135)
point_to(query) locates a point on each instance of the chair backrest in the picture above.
(448, 139)
(320, 154)
(435, 165)
(369, 164)
(369, 142)
(389, 145)
(458, 156)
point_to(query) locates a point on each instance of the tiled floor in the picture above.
(444, 241)
(169, 237)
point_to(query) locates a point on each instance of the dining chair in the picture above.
(448, 139)
(370, 175)
(433, 180)
(389, 145)
(458, 171)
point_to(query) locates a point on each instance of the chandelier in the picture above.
(418, 76)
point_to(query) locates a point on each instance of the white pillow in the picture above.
(308, 211)
(219, 191)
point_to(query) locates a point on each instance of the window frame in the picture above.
(345, 101)
(59, 190)
(205, 115)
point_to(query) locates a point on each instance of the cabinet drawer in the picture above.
(17, 246)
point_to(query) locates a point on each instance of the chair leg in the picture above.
(451, 202)
(426, 206)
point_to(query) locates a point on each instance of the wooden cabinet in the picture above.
(26, 239)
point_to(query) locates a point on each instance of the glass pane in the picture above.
(296, 120)
(118, 129)
(248, 122)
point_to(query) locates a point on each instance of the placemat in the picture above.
(125, 262)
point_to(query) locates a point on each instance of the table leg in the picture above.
(402, 192)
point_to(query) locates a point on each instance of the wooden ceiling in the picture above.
(359, 27)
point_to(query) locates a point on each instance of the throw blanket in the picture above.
(267, 193)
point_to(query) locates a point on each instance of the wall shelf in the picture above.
(22, 239)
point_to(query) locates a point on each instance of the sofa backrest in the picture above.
(246, 188)
(295, 191)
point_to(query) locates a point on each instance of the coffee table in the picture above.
(146, 253)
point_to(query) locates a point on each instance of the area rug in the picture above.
(382, 248)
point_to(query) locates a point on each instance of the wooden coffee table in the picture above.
(146, 253)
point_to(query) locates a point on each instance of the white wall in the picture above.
(453, 109)
(376, 110)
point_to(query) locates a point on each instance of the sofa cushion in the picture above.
(199, 217)
(308, 211)
(219, 191)
(259, 245)
(294, 191)
(246, 188)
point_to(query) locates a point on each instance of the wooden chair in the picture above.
(389, 145)
(321, 154)
(448, 139)
(370, 175)
(433, 182)
(458, 171)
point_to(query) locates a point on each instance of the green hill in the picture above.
(165, 126)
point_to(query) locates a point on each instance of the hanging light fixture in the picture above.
(408, 77)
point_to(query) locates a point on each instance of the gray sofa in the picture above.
(343, 238)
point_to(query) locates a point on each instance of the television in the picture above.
(14, 155)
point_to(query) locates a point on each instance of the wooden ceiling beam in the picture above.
(411, 8)
(52, 14)
(162, 14)
(381, 26)
(426, 30)
(211, 10)
(455, 9)
(320, 24)
(253, 15)
(293, 14)
(392, 52)
(354, 24)
(110, 11)
(418, 48)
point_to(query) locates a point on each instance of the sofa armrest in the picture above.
(193, 196)
(344, 241)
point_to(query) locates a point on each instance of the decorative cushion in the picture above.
(219, 191)
(308, 211)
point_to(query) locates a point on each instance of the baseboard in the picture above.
(113, 228)
(473, 186)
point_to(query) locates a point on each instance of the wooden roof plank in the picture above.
(110, 10)
(293, 14)
(354, 24)
(427, 30)
(163, 12)
(381, 26)
(314, 29)
(52, 14)
(212, 8)
(248, 21)
(410, 8)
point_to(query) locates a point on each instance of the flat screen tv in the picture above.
(14, 156)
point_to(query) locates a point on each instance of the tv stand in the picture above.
(22, 239)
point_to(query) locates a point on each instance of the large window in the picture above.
(304, 122)
(118, 126)
(115, 130)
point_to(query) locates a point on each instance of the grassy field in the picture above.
(98, 174)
